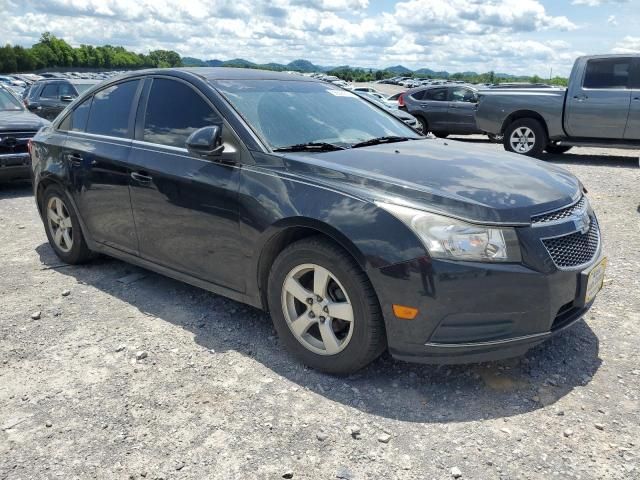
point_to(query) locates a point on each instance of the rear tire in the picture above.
(557, 149)
(333, 325)
(441, 134)
(525, 136)
(62, 226)
(424, 124)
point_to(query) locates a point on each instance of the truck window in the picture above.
(610, 73)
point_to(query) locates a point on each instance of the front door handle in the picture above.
(141, 177)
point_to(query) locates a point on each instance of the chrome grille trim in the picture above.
(560, 214)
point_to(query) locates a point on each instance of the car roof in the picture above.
(223, 73)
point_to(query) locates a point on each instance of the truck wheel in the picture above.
(557, 149)
(525, 136)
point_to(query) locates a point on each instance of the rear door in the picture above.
(185, 206)
(434, 107)
(97, 149)
(597, 106)
(462, 110)
(632, 131)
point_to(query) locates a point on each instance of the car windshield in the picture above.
(286, 113)
(8, 101)
(83, 87)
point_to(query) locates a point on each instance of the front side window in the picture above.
(50, 90)
(175, 111)
(293, 112)
(463, 95)
(610, 73)
(77, 120)
(436, 94)
(66, 89)
(111, 108)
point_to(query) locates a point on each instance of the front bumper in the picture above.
(475, 312)
(15, 166)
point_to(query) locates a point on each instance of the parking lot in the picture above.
(109, 371)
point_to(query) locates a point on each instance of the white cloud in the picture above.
(596, 3)
(627, 45)
(440, 34)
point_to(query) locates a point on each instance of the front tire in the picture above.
(324, 308)
(62, 226)
(525, 136)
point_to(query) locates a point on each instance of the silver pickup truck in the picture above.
(600, 108)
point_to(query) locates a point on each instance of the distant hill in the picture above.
(399, 69)
(305, 66)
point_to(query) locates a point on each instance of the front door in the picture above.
(632, 131)
(462, 110)
(185, 206)
(96, 152)
(597, 105)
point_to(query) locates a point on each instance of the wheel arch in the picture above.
(284, 233)
(520, 114)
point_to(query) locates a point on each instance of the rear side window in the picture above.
(50, 90)
(175, 111)
(110, 110)
(418, 95)
(437, 94)
(607, 73)
(77, 120)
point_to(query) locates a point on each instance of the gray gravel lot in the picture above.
(128, 374)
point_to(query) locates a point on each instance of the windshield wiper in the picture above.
(310, 147)
(380, 140)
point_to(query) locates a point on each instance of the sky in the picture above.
(508, 36)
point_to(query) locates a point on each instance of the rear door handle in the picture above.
(74, 159)
(580, 98)
(141, 177)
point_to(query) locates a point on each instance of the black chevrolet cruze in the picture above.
(356, 233)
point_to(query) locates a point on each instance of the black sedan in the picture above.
(356, 233)
(17, 126)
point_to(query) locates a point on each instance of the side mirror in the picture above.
(66, 98)
(206, 141)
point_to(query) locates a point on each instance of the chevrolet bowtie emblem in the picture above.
(582, 222)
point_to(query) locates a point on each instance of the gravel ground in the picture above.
(109, 371)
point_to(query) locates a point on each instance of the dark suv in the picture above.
(298, 197)
(17, 126)
(443, 109)
(47, 98)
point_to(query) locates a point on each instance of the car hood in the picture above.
(454, 178)
(20, 120)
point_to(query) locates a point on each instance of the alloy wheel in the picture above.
(317, 309)
(522, 140)
(60, 224)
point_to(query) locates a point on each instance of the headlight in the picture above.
(453, 239)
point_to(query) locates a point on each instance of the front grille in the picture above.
(560, 214)
(574, 249)
(14, 141)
